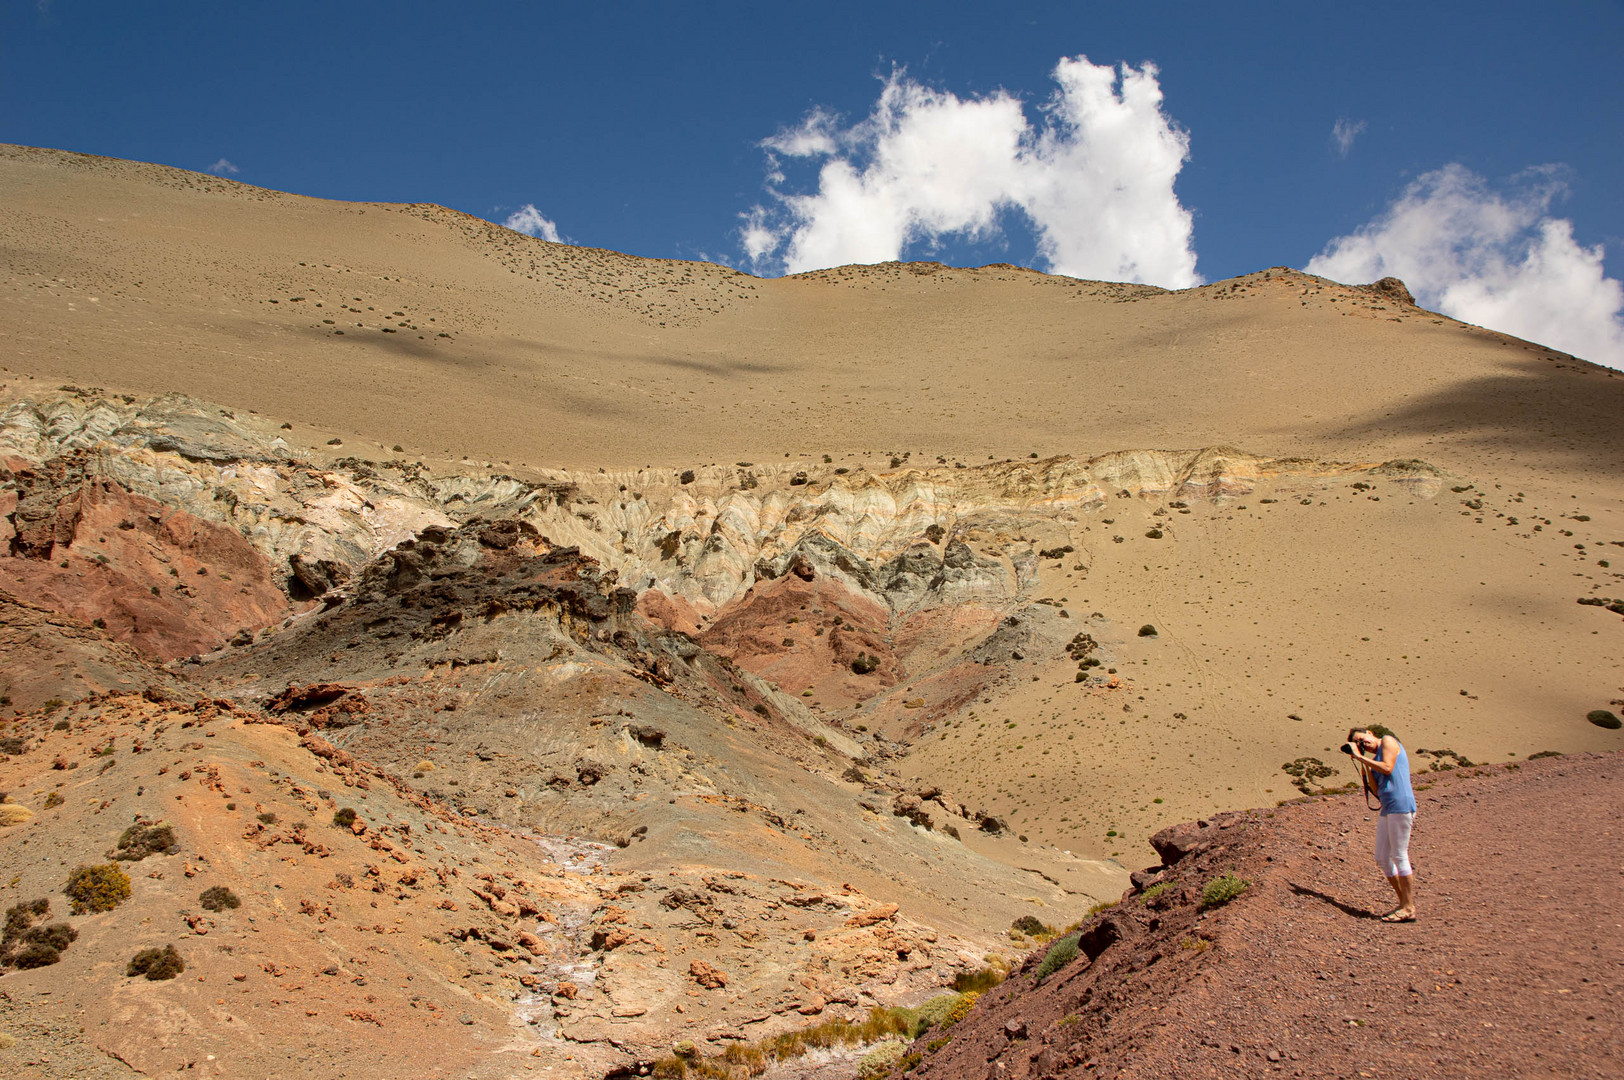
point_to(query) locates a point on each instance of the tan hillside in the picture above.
(844, 617)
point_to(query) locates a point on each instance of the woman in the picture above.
(1385, 768)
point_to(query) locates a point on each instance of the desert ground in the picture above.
(1057, 563)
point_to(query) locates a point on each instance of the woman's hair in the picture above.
(1352, 732)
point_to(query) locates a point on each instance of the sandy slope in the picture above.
(464, 340)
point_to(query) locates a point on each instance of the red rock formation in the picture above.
(157, 578)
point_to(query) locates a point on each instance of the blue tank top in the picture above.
(1394, 791)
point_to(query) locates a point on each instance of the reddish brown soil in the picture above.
(1516, 967)
(156, 577)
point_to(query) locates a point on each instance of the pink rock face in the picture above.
(159, 579)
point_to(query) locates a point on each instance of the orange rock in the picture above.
(707, 976)
(873, 915)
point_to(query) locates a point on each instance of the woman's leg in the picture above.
(1384, 858)
(1394, 844)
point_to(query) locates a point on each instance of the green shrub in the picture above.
(1221, 890)
(156, 964)
(1154, 891)
(344, 818)
(218, 898)
(267, 818)
(20, 917)
(1059, 955)
(934, 1011)
(97, 888)
(880, 1060)
(1544, 753)
(1147, 630)
(961, 1008)
(1602, 718)
(981, 979)
(54, 799)
(864, 664)
(143, 839)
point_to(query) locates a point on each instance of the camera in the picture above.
(1347, 748)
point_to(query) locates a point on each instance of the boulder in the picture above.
(1181, 841)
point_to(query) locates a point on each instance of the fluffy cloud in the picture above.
(1494, 258)
(1095, 179)
(1343, 132)
(528, 220)
(224, 168)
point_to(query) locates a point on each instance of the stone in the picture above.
(705, 975)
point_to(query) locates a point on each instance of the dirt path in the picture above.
(1516, 967)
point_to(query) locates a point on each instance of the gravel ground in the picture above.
(1514, 968)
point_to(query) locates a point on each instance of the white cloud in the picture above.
(1343, 132)
(1494, 258)
(1095, 180)
(224, 168)
(528, 220)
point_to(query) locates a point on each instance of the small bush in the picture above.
(981, 979)
(1031, 926)
(1602, 718)
(880, 1060)
(267, 818)
(58, 936)
(1221, 890)
(54, 799)
(1154, 891)
(156, 964)
(1147, 630)
(97, 888)
(36, 955)
(934, 1011)
(1059, 955)
(143, 839)
(1544, 754)
(344, 818)
(218, 898)
(864, 664)
(961, 1008)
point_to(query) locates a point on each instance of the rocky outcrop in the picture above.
(909, 539)
(150, 574)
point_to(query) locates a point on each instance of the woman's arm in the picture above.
(1389, 757)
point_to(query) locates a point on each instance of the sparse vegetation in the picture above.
(25, 945)
(1221, 890)
(983, 978)
(143, 839)
(93, 889)
(1060, 954)
(218, 898)
(1147, 630)
(344, 817)
(1154, 891)
(864, 664)
(1604, 718)
(156, 964)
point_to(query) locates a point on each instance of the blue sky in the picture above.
(641, 127)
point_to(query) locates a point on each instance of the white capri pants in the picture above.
(1393, 844)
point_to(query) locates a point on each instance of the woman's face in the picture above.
(1369, 742)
